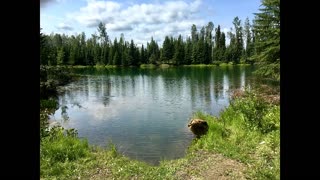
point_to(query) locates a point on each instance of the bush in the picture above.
(62, 145)
(257, 113)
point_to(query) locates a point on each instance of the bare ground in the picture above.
(202, 166)
(210, 166)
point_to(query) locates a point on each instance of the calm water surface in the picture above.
(145, 112)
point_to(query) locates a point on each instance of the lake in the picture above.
(145, 112)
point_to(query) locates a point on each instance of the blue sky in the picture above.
(141, 19)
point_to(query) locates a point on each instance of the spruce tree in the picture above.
(267, 39)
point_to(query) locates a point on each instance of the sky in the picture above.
(141, 19)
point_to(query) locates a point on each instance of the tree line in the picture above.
(257, 42)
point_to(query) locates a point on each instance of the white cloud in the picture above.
(140, 21)
(225, 30)
(96, 11)
(63, 26)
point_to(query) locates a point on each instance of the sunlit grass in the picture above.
(200, 65)
(148, 66)
(255, 143)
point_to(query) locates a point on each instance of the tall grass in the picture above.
(59, 149)
(248, 131)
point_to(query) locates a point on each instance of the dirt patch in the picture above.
(202, 165)
(205, 166)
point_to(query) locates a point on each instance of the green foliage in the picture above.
(225, 64)
(239, 133)
(249, 42)
(178, 56)
(103, 36)
(267, 165)
(271, 71)
(256, 113)
(167, 50)
(147, 66)
(44, 115)
(220, 46)
(60, 146)
(153, 52)
(51, 77)
(267, 39)
(48, 104)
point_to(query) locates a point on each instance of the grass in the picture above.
(148, 66)
(243, 64)
(79, 66)
(216, 63)
(164, 65)
(226, 64)
(247, 132)
(200, 65)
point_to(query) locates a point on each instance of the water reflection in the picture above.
(145, 112)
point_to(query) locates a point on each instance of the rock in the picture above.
(198, 126)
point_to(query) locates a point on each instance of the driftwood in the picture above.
(199, 127)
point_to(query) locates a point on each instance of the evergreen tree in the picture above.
(267, 39)
(43, 39)
(194, 34)
(208, 43)
(83, 49)
(167, 50)
(143, 55)
(103, 36)
(153, 50)
(60, 56)
(178, 56)
(217, 48)
(188, 51)
(110, 56)
(238, 40)
(231, 49)
(132, 49)
(200, 51)
(222, 44)
(249, 43)
(116, 50)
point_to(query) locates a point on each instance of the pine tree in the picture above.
(222, 44)
(238, 40)
(178, 56)
(103, 36)
(167, 50)
(132, 49)
(249, 43)
(188, 52)
(208, 43)
(153, 52)
(194, 34)
(231, 49)
(60, 56)
(143, 55)
(267, 39)
(217, 48)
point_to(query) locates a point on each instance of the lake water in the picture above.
(145, 112)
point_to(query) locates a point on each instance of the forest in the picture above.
(256, 42)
